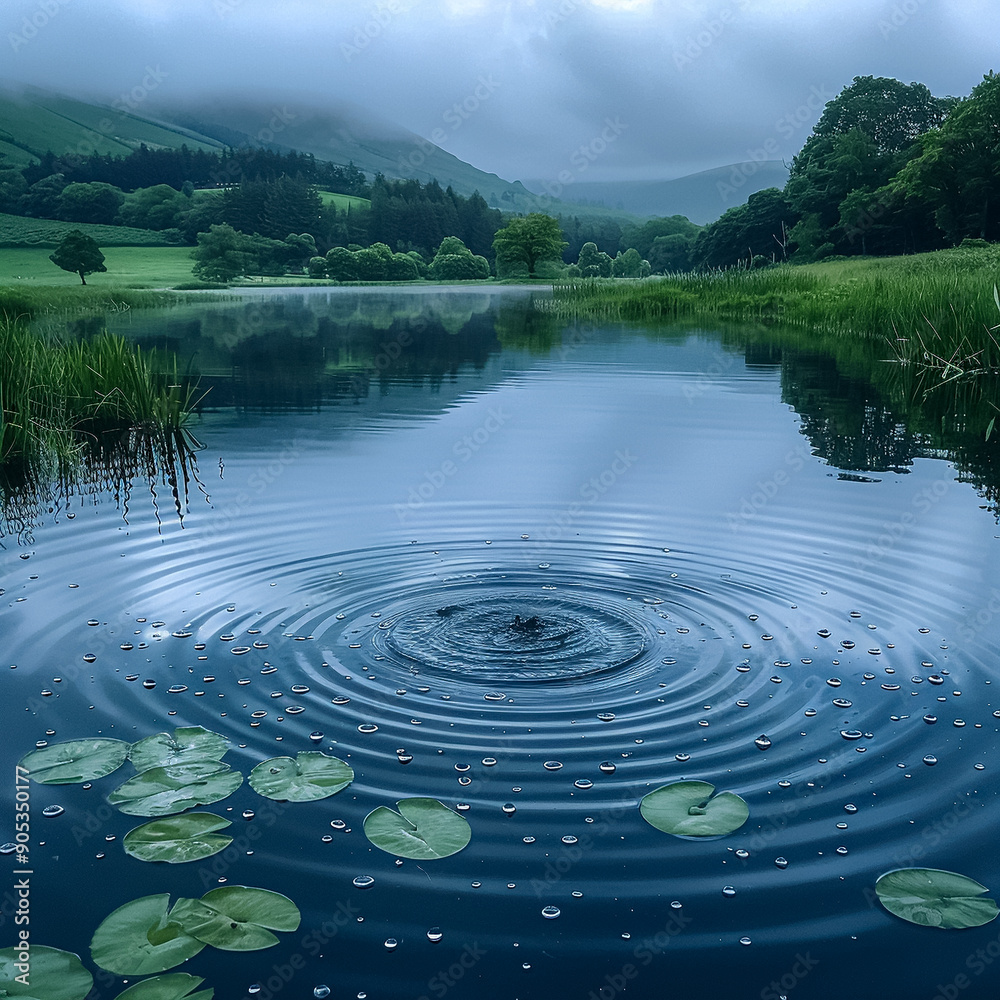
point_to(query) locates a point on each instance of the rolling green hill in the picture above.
(33, 122)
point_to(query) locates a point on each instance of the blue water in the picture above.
(651, 498)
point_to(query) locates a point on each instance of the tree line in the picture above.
(888, 169)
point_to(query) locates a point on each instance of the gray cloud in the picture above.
(697, 84)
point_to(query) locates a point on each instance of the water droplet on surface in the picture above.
(780, 862)
(850, 808)
(320, 992)
(745, 941)
(363, 882)
(368, 727)
(489, 761)
(683, 758)
(551, 912)
(843, 702)
(762, 743)
(841, 850)
(434, 935)
(248, 814)
(728, 891)
(391, 944)
(851, 734)
(930, 760)
(8, 848)
(834, 682)
(149, 684)
(51, 811)
(316, 737)
(494, 696)
(583, 783)
(552, 765)
(606, 716)
(509, 808)
(569, 839)
(606, 767)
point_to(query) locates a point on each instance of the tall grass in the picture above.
(927, 309)
(20, 302)
(58, 397)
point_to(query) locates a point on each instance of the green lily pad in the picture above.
(53, 974)
(75, 761)
(237, 917)
(177, 839)
(185, 745)
(688, 809)
(311, 775)
(141, 938)
(173, 986)
(422, 829)
(161, 791)
(934, 898)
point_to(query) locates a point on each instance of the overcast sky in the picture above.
(648, 89)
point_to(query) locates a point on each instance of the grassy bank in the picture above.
(128, 267)
(935, 309)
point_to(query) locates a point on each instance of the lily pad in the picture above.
(141, 938)
(173, 986)
(311, 775)
(422, 829)
(934, 898)
(185, 745)
(161, 791)
(688, 809)
(54, 974)
(177, 839)
(237, 917)
(75, 761)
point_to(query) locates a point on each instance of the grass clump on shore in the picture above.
(58, 398)
(936, 310)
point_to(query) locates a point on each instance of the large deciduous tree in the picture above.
(526, 242)
(79, 254)
(957, 170)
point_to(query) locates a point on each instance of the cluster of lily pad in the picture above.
(180, 771)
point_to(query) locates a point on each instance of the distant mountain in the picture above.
(702, 197)
(34, 121)
(347, 134)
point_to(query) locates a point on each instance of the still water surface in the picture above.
(388, 479)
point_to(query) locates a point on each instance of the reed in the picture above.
(934, 311)
(56, 397)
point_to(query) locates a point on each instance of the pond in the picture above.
(533, 571)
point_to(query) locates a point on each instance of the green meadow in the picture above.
(128, 267)
(342, 202)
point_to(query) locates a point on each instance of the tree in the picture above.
(593, 263)
(80, 254)
(757, 229)
(670, 253)
(96, 203)
(956, 171)
(863, 138)
(454, 261)
(527, 241)
(222, 254)
(157, 207)
(628, 264)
